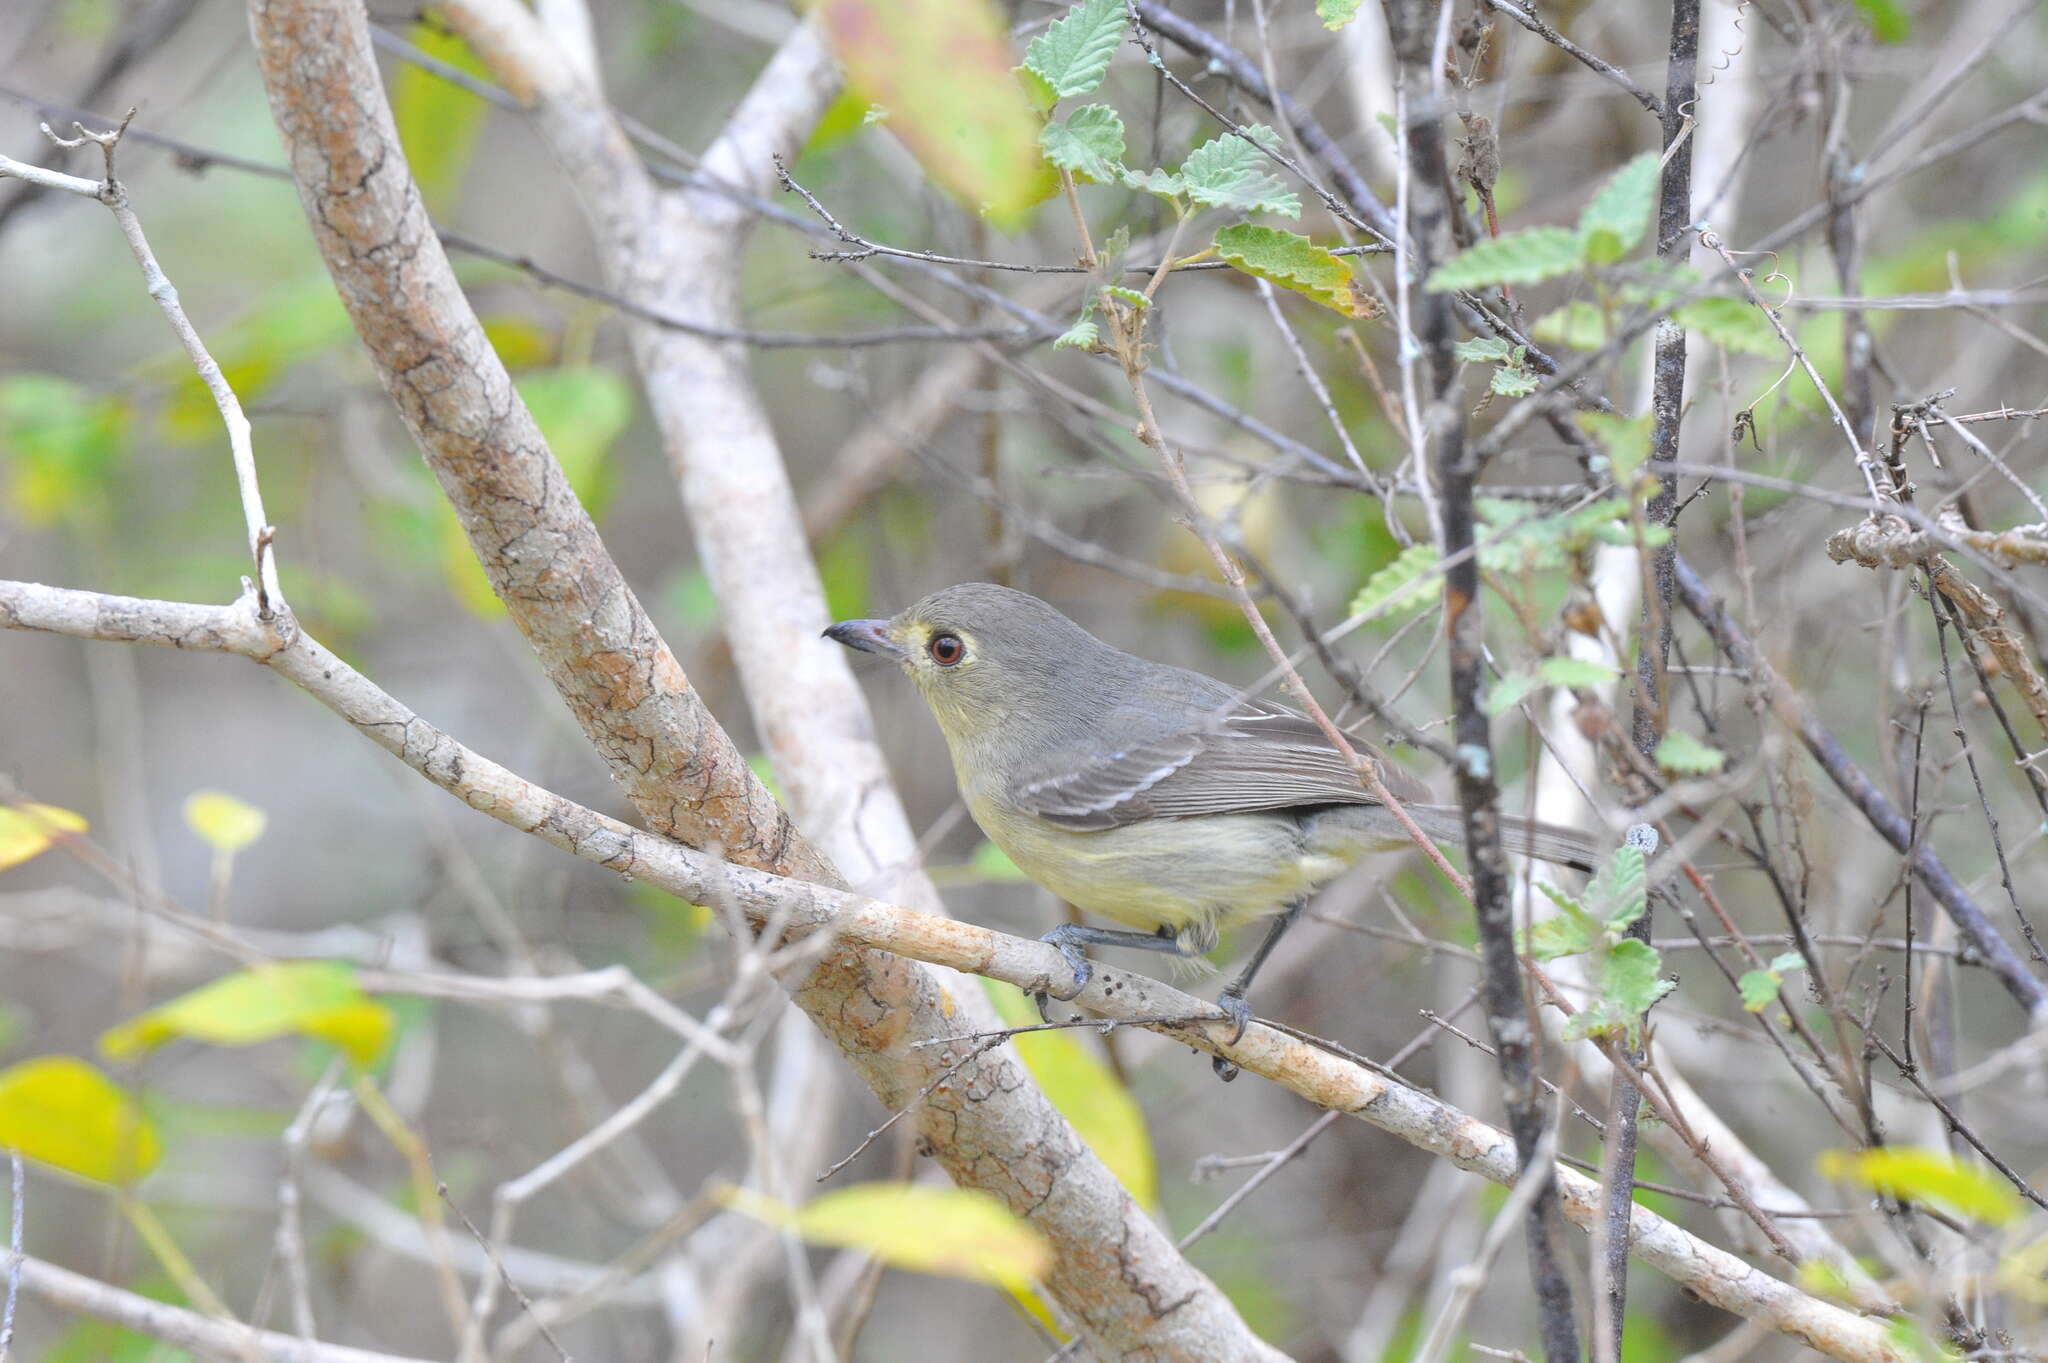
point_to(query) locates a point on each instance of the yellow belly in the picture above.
(1209, 873)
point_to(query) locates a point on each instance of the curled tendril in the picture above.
(1728, 55)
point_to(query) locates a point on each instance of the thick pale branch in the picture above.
(1322, 1078)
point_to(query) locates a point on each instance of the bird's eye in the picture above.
(946, 649)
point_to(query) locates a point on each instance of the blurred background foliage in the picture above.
(115, 478)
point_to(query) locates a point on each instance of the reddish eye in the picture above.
(946, 649)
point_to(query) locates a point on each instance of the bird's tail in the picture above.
(1525, 837)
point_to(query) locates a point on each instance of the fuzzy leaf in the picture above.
(1629, 978)
(1073, 55)
(1090, 144)
(1293, 262)
(1482, 350)
(1759, 989)
(1618, 215)
(1408, 583)
(1156, 182)
(1576, 673)
(1567, 932)
(1529, 256)
(1230, 172)
(1617, 894)
(1336, 13)
(1512, 381)
(1680, 752)
(1083, 335)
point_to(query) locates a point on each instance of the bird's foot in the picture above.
(1231, 1001)
(1064, 937)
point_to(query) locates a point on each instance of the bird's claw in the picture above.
(1083, 970)
(1237, 1011)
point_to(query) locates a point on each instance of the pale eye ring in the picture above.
(946, 649)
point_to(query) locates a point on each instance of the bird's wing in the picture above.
(1258, 756)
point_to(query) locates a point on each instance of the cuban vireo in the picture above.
(1143, 793)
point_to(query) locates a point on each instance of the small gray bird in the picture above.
(1143, 793)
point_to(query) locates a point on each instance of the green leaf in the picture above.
(1617, 216)
(1512, 381)
(62, 443)
(1889, 22)
(1529, 256)
(1787, 960)
(1930, 1176)
(1510, 691)
(1087, 1092)
(1131, 296)
(1293, 262)
(1759, 989)
(438, 121)
(1568, 932)
(1084, 334)
(942, 69)
(1629, 979)
(1576, 673)
(1578, 324)
(316, 998)
(959, 1232)
(582, 410)
(1482, 350)
(1626, 442)
(58, 1110)
(1090, 144)
(992, 863)
(1408, 583)
(1073, 54)
(1336, 13)
(1680, 752)
(1618, 892)
(226, 824)
(28, 830)
(1230, 172)
(1037, 89)
(1169, 187)
(1733, 323)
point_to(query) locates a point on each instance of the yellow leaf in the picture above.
(1931, 1176)
(942, 70)
(227, 824)
(959, 1232)
(314, 998)
(26, 830)
(58, 1110)
(1087, 1092)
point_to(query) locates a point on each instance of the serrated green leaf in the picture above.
(1510, 691)
(1074, 53)
(1617, 216)
(1156, 182)
(1618, 894)
(1511, 381)
(1090, 144)
(1529, 256)
(1732, 323)
(1038, 91)
(1293, 262)
(1407, 583)
(1482, 350)
(1629, 979)
(1575, 673)
(1568, 932)
(1336, 13)
(1680, 752)
(1131, 296)
(1578, 324)
(1084, 334)
(58, 1110)
(316, 998)
(1230, 172)
(1759, 989)
(1931, 1176)
(942, 69)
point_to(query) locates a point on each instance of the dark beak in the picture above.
(869, 636)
